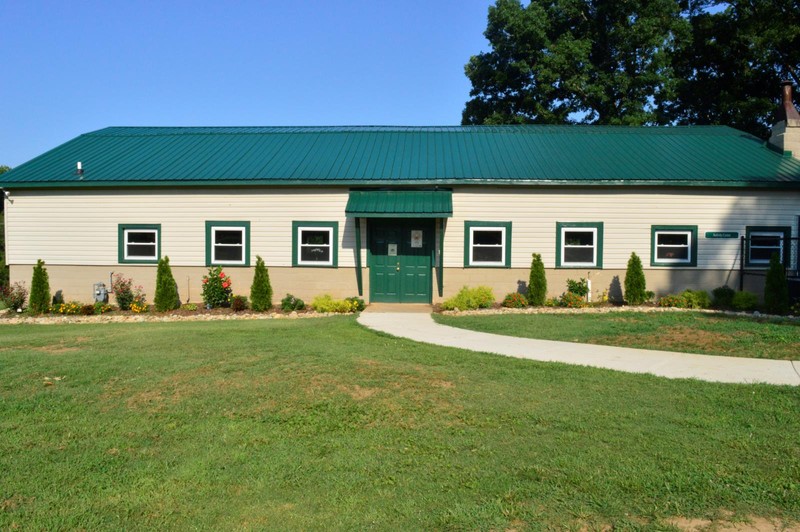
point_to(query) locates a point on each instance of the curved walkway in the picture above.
(419, 326)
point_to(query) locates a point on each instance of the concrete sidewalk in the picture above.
(420, 326)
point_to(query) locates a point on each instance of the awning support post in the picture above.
(359, 281)
(440, 261)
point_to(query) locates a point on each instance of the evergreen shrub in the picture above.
(635, 283)
(166, 297)
(579, 287)
(291, 303)
(776, 288)
(261, 289)
(745, 301)
(722, 297)
(537, 282)
(40, 290)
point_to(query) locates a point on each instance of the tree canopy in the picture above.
(635, 62)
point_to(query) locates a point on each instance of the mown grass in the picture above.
(308, 424)
(688, 332)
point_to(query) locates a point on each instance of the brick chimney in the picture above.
(786, 130)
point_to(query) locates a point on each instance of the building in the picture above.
(407, 214)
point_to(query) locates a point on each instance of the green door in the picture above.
(400, 260)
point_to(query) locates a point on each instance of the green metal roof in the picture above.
(379, 156)
(400, 204)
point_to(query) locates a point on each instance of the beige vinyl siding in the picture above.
(80, 227)
(626, 215)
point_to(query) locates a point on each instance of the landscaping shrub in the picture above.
(238, 303)
(776, 288)
(87, 310)
(291, 303)
(745, 301)
(217, 288)
(189, 306)
(696, 298)
(16, 296)
(70, 308)
(722, 297)
(166, 297)
(537, 283)
(579, 288)
(40, 290)
(102, 308)
(515, 300)
(356, 303)
(552, 302)
(326, 303)
(261, 289)
(635, 283)
(470, 299)
(139, 306)
(672, 300)
(5, 289)
(123, 292)
(572, 300)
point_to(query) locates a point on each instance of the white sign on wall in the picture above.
(416, 238)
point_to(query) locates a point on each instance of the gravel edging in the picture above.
(156, 318)
(609, 310)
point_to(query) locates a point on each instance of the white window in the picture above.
(673, 247)
(487, 246)
(228, 245)
(140, 244)
(763, 244)
(578, 246)
(315, 246)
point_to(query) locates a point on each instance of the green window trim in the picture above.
(122, 232)
(332, 227)
(689, 230)
(596, 229)
(784, 230)
(470, 228)
(211, 226)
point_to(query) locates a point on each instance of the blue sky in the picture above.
(70, 67)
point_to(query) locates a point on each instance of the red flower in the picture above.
(205, 280)
(221, 275)
(225, 285)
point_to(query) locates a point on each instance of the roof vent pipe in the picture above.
(79, 169)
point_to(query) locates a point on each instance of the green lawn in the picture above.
(689, 332)
(319, 423)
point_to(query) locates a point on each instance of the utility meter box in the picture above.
(100, 293)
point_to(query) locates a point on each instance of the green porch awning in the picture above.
(400, 204)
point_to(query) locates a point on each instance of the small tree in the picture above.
(166, 297)
(40, 290)
(776, 289)
(537, 283)
(261, 289)
(635, 284)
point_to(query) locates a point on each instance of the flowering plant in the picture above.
(123, 291)
(217, 288)
(139, 303)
